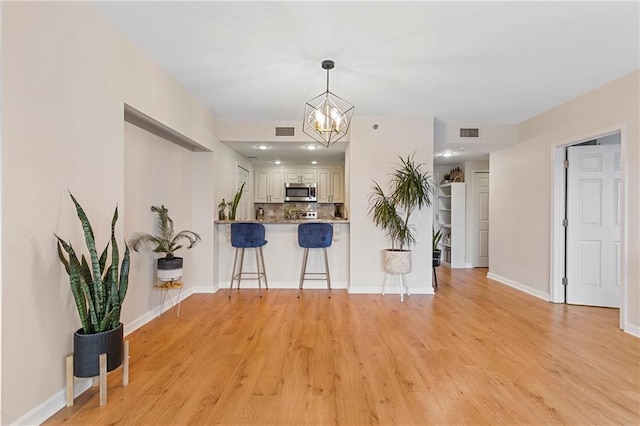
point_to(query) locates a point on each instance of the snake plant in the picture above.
(98, 290)
(233, 206)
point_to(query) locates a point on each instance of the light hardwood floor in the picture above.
(477, 352)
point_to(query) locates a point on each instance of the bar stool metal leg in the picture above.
(233, 272)
(241, 265)
(259, 274)
(264, 271)
(326, 267)
(304, 269)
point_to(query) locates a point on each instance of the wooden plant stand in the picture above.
(102, 378)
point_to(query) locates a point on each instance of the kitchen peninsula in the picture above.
(283, 256)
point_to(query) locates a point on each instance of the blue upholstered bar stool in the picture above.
(313, 236)
(248, 235)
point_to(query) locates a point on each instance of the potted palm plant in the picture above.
(409, 189)
(99, 288)
(170, 266)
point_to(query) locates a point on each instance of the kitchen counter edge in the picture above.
(283, 221)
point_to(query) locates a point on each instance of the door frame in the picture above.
(558, 204)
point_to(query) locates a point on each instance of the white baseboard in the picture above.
(518, 286)
(58, 401)
(392, 289)
(632, 329)
(289, 285)
(48, 408)
(205, 289)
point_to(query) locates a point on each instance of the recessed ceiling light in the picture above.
(263, 147)
(446, 154)
(311, 147)
(314, 162)
(277, 162)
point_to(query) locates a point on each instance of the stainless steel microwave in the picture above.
(305, 192)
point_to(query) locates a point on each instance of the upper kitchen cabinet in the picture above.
(330, 185)
(268, 186)
(300, 176)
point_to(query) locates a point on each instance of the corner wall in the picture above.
(64, 86)
(373, 154)
(521, 185)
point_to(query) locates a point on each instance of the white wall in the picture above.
(66, 76)
(148, 158)
(204, 211)
(521, 182)
(225, 164)
(372, 155)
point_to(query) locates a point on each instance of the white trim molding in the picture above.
(557, 248)
(632, 329)
(51, 406)
(519, 286)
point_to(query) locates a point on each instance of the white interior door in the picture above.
(593, 230)
(242, 176)
(481, 217)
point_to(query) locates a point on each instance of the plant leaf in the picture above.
(74, 281)
(165, 242)
(91, 246)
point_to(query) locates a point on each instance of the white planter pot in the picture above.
(397, 262)
(169, 269)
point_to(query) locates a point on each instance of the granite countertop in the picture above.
(283, 221)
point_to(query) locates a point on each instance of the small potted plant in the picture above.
(170, 266)
(410, 189)
(446, 178)
(99, 287)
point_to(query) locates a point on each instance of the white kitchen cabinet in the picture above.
(268, 186)
(330, 186)
(300, 176)
(451, 206)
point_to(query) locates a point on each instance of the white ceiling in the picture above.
(481, 62)
(290, 153)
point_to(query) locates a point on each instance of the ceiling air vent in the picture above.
(469, 133)
(285, 131)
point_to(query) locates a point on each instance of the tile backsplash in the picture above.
(276, 211)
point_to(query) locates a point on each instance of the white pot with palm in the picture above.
(410, 188)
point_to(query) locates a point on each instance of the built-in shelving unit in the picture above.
(452, 210)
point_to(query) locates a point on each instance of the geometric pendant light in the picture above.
(327, 116)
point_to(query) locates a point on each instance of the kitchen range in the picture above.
(302, 215)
